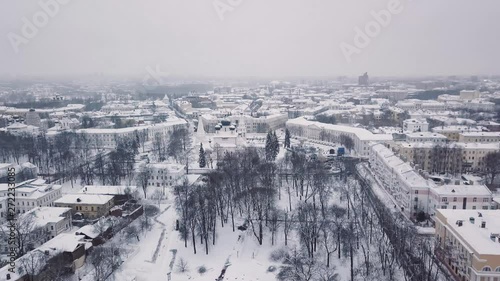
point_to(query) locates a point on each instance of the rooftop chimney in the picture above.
(483, 224)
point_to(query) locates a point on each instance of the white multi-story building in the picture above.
(164, 176)
(426, 137)
(312, 130)
(415, 125)
(107, 138)
(246, 124)
(413, 104)
(22, 129)
(480, 105)
(54, 220)
(32, 194)
(469, 95)
(461, 197)
(414, 193)
(406, 186)
(482, 137)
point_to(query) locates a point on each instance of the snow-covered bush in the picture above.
(202, 269)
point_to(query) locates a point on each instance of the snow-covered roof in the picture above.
(106, 189)
(88, 230)
(170, 122)
(94, 199)
(426, 135)
(361, 134)
(481, 134)
(65, 242)
(476, 238)
(44, 215)
(457, 128)
(462, 190)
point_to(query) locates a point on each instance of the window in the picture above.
(486, 268)
(473, 207)
(454, 199)
(474, 199)
(416, 191)
(497, 269)
(486, 200)
(485, 207)
(444, 199)
(454, 207)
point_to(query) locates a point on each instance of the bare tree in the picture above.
(28, 235)
(101, 259)
(297, 268)
(492, 165)
(143, 178)
(57, 268)
(182, 266)
(33, 263)
(131, 232)
(288, 224)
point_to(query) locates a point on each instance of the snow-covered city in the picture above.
(260, 162)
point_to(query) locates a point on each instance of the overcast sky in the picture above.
(265, 38)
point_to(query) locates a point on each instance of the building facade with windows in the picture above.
(461, 197)
(91, 206)
(31, 194)
(469, 243)
(317, 131)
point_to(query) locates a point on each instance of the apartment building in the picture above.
(424, 154)
(91, 206)
(399, 179)
(460, 197)
(469, 243)
(316, 131)
(414, 193)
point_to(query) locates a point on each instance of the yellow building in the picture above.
(453, 132)
(92, 206)
(468, 243)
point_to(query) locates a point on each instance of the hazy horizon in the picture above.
(281, 38)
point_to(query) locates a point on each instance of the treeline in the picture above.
(69, 155)
(245, 185)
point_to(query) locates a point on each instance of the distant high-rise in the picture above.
(363, 79)
(32, 118)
